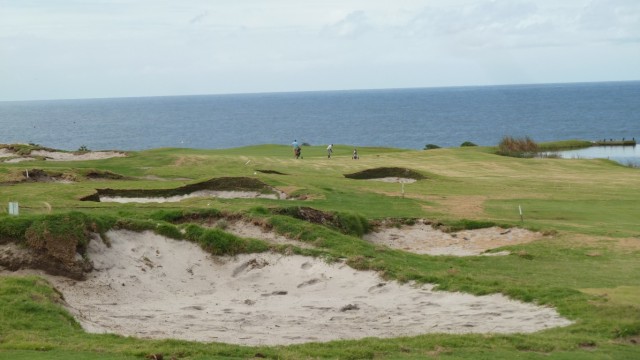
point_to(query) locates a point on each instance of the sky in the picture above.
(69, 49)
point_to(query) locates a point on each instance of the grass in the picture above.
(587, 270)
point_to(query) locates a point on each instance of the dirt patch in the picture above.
(386, 173)
(103, 175)
(14, 257)
(468, 206)
(308, 214)
(271, 172)
(40, 175)
(225, 187)
(423, 238)
(149, 286)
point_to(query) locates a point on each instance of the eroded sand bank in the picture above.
(422, 238)
(150, 286)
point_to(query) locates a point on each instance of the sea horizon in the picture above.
(444, 87)
(407, 118)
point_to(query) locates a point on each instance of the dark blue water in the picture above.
(405, 118)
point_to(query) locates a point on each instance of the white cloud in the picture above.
(146, 47)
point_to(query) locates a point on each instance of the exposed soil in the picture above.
(308, 214)
(423, 238)
(149, 286)
(16, 153)
(14, 257)
(385, 173)
(271, 172)
(225, 187)
(40, 175)
(103, 175)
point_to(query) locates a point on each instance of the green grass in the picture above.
(588, 270)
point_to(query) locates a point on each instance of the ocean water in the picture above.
(404, 118)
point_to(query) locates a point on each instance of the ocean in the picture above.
(402, 118)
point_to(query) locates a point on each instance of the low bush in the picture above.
(467, 143)
(351, 224)
(517, 147)
(431, 147)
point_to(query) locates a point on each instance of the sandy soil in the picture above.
(395, 180)
(201, 193)
(149, 286)
(63, 156)
(5, 153)
(422, 238)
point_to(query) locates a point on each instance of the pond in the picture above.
(625, 155)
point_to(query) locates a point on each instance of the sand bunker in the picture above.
(201, 193)
(150, 286)
(65, 156)
(53, 155)
(422, 238)
(224, 187)
(395, 180)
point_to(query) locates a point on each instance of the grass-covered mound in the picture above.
(386, 172)
(590, 204)
(347, 223)
(217, 184)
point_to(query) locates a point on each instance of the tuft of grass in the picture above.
(517, 147)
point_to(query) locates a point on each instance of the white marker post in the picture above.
(13, 209)
(520, 209)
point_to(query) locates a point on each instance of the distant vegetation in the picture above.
(467, 143)
(431, 147)
(564, 145)
(517, 147)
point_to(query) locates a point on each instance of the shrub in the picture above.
(517, 147)
(431, 147)
(467, 143)
(351, 224)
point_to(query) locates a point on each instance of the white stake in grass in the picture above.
(520, 209)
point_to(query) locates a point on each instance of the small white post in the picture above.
(27, 173)
(402, 186)
(520, 209)
(14, 209)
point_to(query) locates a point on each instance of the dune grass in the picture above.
(588, 269)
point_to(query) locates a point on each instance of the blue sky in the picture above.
(84, 49)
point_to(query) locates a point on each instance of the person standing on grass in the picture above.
(296, 148)
(329, 150)
(355, 154)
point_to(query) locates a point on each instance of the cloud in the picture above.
(354, 24)
(616, 21)
(198, 18)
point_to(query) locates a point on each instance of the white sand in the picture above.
(64, 156)
(5, 153)
(199, 193)
(149, 286)
(422, 238)
(395, 180)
